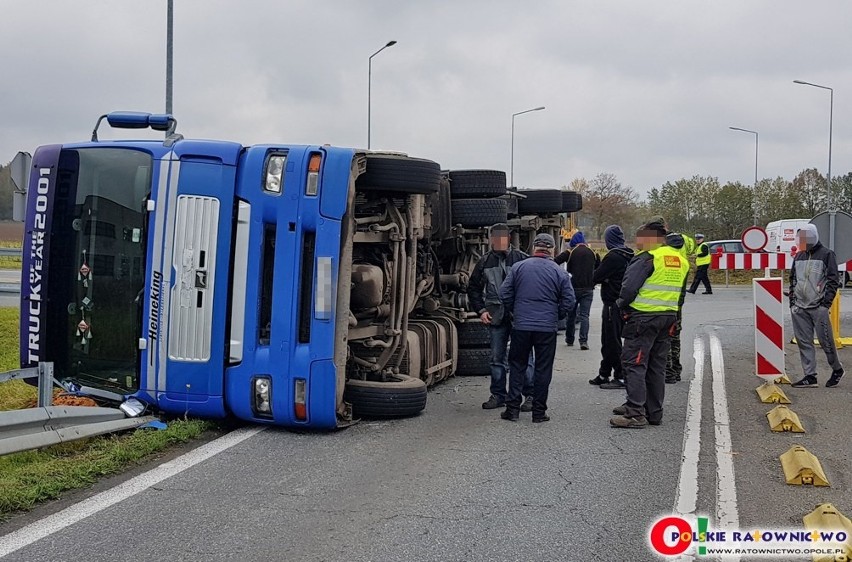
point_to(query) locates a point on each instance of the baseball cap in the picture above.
(544, 240)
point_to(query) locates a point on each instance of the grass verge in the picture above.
(31, 477)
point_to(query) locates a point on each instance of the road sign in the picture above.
(754, 239)
(20, 170)
(834, 228)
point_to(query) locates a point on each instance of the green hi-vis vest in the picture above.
(705, 260)
(661, 291)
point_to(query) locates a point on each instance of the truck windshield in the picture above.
(97, 269)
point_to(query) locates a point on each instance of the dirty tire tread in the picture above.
(540, 201)
(400, 174)
(402, 398)
(479, 212)
(473, 334)
(474, 362)
(571, 202)
(477, 183)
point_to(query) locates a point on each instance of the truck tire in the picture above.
(441, 219)
(473, 334)
(571, 202)
(474, 362)
(479, 212)
(477, 183)
(387, 172)
(540, 201)
(405, 396)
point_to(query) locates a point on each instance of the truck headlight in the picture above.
(262, 396)
(273, 172)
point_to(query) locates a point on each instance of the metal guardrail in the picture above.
(32, 428)
(11, 252)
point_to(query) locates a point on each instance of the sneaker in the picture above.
(691, 292)
(624, 422)
(655, 422)
(569, 343)
(527, 405)
(599, 380)
(707, 293)
(835, 378)
(620, 410)
(541, 419)
(492, 403)
(509, 416)
(671, 380)
(808, 381)
(584, 347)
(616, 384)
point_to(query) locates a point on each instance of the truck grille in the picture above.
(194, 261)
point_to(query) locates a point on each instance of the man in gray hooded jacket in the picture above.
(813, 285)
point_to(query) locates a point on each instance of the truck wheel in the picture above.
(473, 334)
(479, 212)
(388, 172)
(474, 362)
(571, 202)
(477, 183)
(402, 397)
(540, 201)
(441, 219)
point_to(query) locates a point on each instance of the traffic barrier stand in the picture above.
(769, 327)
(802, 468)
(826, 517)
(783, 379)
(781, 418)
(771, 394)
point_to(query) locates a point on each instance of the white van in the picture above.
(782, 234)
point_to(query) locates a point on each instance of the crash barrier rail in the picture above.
(11, 252)
(760, 260)
(32, 428)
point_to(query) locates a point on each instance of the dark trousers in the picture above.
(673, 366)
(544, 344)
(701, 277)
(611, 342)
(582, 306)
(646, 346)
(499, 363)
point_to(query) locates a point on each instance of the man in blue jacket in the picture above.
(538, 294)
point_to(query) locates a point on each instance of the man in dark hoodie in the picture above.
(537, 293)
(813, 286)
(651, 291)
(609, 275)
(483, 290)
(581, 263)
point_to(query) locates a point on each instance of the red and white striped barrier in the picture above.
(769, 328)
(760, 260)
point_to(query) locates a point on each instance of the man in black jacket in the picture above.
(581, 263)
(813, 286)
(484, 294)
(609, 275)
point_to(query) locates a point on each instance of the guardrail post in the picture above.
(45, 384)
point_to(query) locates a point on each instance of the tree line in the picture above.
(703, 204)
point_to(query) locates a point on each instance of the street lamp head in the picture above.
(799, 82)
(538, 108)
(390, 44)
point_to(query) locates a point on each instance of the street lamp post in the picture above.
(512, 161)
(370, 86)
(754, 190)
(830, 126)
(170, 11)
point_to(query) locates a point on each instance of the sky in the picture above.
(645, 90)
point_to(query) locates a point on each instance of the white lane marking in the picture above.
(40, 529)
(687, 487)
(727, 516)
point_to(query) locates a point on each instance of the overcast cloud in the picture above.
(642, 89)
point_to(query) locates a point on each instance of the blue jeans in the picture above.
(581, 311)
(500, 362)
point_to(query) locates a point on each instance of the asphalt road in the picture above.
(458, 483)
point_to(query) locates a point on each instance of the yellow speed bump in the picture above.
(771, 394)
(782, 418)
(826, 517)
(801, 467)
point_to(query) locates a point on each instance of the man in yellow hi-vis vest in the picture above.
(649, 300)
(702, 264)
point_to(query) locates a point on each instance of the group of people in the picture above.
(522, 300)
